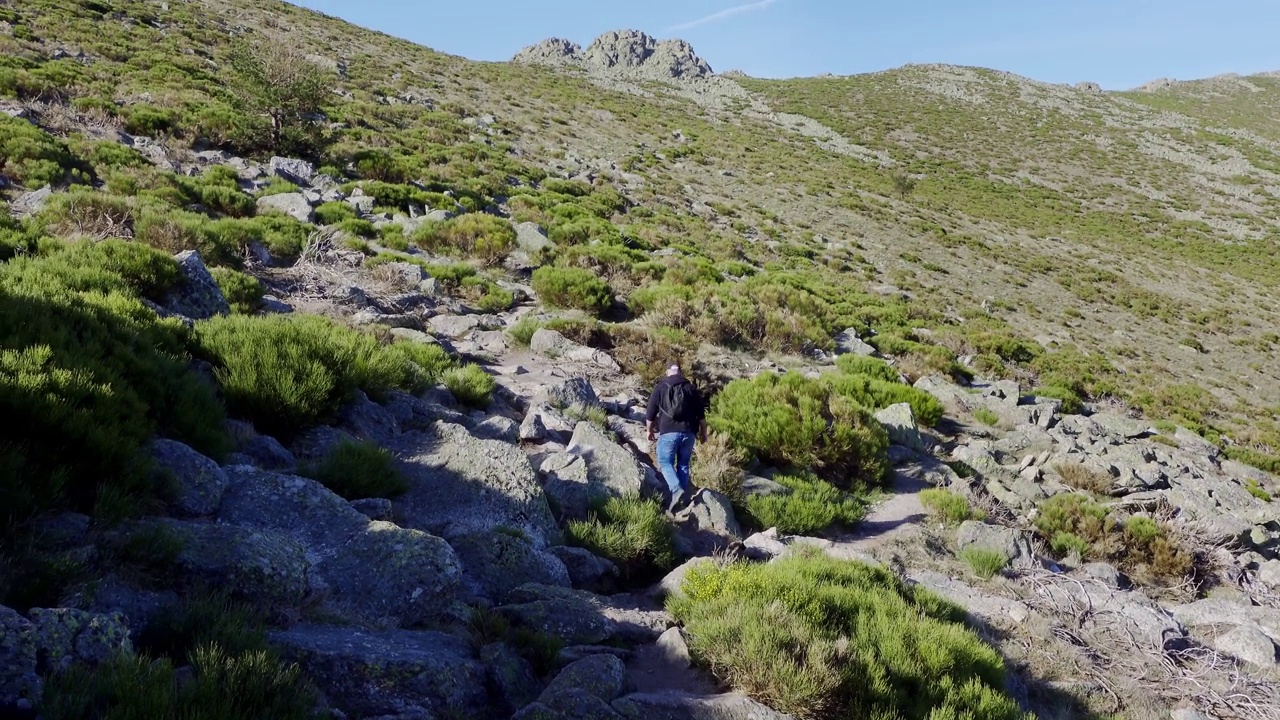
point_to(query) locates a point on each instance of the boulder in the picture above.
(461, 485)
(196, 295)
(362, 203)
(498, 428)
(20, 684)
(198, 482)
(296, 507)
(391, 672)
(262, 451)
(1249, 644)
(713, 512)
(571, 392)
(756, 485)
(586, 570)
(672, 585)
(454, 326)
(568, 705)
(511, 678)
(682, 706)
(531, 238)
(407, 274)
(258, 566)
(673, 649)
(557, 347)
(612, 470)
(497, 563)
(532, 429)
(1013, 544)
(67, 636)
(386, 571)
(567, 614)
(373, 508)
(847, 343)
(295, 205)
(602, 676)
(1216, 612)
(298, 172)
(1129, 614)
(900, 422)
(764, 545)
(30, 203)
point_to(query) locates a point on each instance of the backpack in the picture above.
(679, 402)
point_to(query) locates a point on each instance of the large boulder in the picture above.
(587, 571)
(498, 562)
(20, 684)
(30, 203)
(848, 343)
(261, 451)
(67, 636)
(611, 468)
(511, 678)
(196, 295)
(198, 482)
(461, 485)
(393, 672)
(570, 704)
(1014, 545)
(681, 706)
(900, 422)
(258, 566)
(1249, 644)
(567, 614)
(531, 238)
(298, 172)
(558, 347)
(295, 205)
(296, 507)
(603, 676)
(390, 572)
(570, 392)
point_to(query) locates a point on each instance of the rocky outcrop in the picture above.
(197, 295)
(198, 482)
(48, 640)
(627, 53)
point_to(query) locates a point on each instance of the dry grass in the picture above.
(1083, 477)
(717, 465)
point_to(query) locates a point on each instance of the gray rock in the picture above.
(408, 274)
(713, 512)
(673, 649)
(497, 563)
(296, 507)
(567, 614)
(1122, 426)
(1014, 545)
(586, 570)
(681, 706)
(66, 636)
(387, 571)
(1269, 573)
(197, 295)
(373, 508)
(255, 565)
(498, 428)
(362, 203)
(199, 483)
(272, 305)
(366, 674)
(1105, 573)
(756, 485)
(900, 422)
(557, 347)
(612, 470)
(764, 545)
(673, 584)
(295, 205)
(1216, 612)
(30, 203)
(532, 429)
(463, 485)
(263, 451)
(510, 676)
(531, 238)
(570, 704)
(298, 172)
(602, 676)
(847, 343)
(20, 684)
(1248, 644)
(454, 326)
(570, 392)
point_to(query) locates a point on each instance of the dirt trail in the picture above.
(898, 512)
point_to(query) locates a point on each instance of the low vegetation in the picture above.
(470, 385)
(821, 638)
(1074, 525)
(809, 505)
(633, 533)
(357, 470)
(948, 506)
(984, 563)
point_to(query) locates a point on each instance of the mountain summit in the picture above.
(626, 52)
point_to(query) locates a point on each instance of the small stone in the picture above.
(674, 649)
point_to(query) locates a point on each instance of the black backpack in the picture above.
(679, 402)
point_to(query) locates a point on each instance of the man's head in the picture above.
(673, 371)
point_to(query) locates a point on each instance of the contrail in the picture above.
(726, 13)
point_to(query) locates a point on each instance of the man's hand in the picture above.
(702, 432)
(649, 431)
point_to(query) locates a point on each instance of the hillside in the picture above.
(329, 353)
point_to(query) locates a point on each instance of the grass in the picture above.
(717, 465)
(821, 638)
(948, 506)
(357, 470)
(986, 416)
(1150, 551)
(1083, 477)
(470, 384)
(541, 650)
(632, 533)
(1257, 490)
(812, 505)
(984, 563)
(243, 292)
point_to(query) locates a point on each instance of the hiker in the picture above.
(676, 415)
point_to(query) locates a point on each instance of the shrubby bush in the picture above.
(356, 470)
(1146, 549)
(243, 292)
(33, 157)
(630, 532)
(878, 394)
(485, 237)
(332, 213)
(792, 421)
(811, 506)
(869, 366)
(425, 364)
(822, 638)
(470, 384)
(572, 288)
(950, 507)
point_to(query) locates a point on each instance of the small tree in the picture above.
(903, 184)
(282, 88)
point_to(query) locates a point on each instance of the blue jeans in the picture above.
(675, 453)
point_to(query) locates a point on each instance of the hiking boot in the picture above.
(677, 499)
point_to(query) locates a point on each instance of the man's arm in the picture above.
(651, 417)
(702, 417)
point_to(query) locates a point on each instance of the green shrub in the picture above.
(869, 366)
(332, 213)
(1082, 477)
(984, 563)
(822, 638)
(1249, 456)
(1075, 515)
(425, 364)
(33, 157)
(630, 532)
(790, 420)
(948, 506)
(90, 374)
(357, 470)
(486, 295)
(149, 120)
(107, 154)
(276, 185)
(811, 505)
(572, 288)
(485, 237)
(878, 394)
(986, 416)
(286, 373)
(1257, 490)
(470, 384)
(522, 332)
(244, 292)
(359, 227)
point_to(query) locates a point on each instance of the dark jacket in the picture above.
(689, 424)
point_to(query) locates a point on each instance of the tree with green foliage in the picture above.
(285, 90)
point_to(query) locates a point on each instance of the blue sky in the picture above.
(1118, 43)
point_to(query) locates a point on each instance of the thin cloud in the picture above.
(723, 14)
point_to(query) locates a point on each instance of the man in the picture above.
(676, 414)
